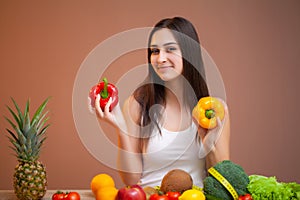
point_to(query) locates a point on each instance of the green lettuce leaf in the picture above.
(268, 188)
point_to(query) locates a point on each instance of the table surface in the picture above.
(84, 194)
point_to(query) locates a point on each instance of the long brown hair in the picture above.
(152, 91)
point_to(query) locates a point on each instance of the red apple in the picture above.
(133, 192)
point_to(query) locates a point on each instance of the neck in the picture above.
(175, 90)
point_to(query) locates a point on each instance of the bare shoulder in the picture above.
(131, 109)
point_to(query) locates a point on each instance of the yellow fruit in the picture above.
(101, 181)
(192, 194)
(106, 193)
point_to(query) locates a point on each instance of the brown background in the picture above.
(255, 45)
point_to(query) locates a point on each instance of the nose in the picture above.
(162, 57)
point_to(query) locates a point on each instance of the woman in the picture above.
(156, 129)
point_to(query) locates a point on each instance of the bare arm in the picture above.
(129, 158)
(130, 155)
(221, 151)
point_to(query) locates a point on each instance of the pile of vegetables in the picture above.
(230, 182)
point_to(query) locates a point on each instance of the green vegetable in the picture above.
(262, 187)
(234, 174)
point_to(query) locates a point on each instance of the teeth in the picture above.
(163, 67)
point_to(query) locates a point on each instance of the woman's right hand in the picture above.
(114, 117)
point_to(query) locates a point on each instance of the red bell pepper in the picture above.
(106, 91)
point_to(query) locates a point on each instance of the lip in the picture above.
(164, 67)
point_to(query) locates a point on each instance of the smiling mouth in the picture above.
(164, 67)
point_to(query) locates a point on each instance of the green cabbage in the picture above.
(268, 188)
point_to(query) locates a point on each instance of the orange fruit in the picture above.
(100, 181)
(106, 193)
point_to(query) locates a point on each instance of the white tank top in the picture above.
(173, 150)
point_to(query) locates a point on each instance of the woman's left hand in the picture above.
(210, 137)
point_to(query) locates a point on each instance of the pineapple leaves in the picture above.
(16, 145)
(27, 136)
(26, 125)
(36, 117)
(42, 122)
(11, 123)
(20, 124)
(21, 118)
(12, 136)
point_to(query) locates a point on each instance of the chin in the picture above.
(168, 78)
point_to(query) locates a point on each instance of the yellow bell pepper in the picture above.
(207, 110)
(192, 194)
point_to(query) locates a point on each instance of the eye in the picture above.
(155, 51)
(171, 49)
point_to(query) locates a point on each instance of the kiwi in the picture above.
(149, 191)
(176, 180)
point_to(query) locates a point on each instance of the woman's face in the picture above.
(166, 57)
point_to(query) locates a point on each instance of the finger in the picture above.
(219, 122)
(90, 107)
(107, 106)
(97, 106)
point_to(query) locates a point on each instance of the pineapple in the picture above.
(27, 138)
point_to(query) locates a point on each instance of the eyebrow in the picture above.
(166, 44)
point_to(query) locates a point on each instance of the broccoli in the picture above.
(234, 174)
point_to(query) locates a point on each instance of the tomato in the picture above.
(72, 196)
(58, 195)
(158, 197)
(173, 195)
(245, 197)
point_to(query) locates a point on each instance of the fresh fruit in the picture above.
(58, 195)
(133, 192)
(173, 195)
(106, 193)
(149, 191)
(103, 187)
(100, 181)
(72, 196)
(176, 180)
(192, 194)
(27, 138)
